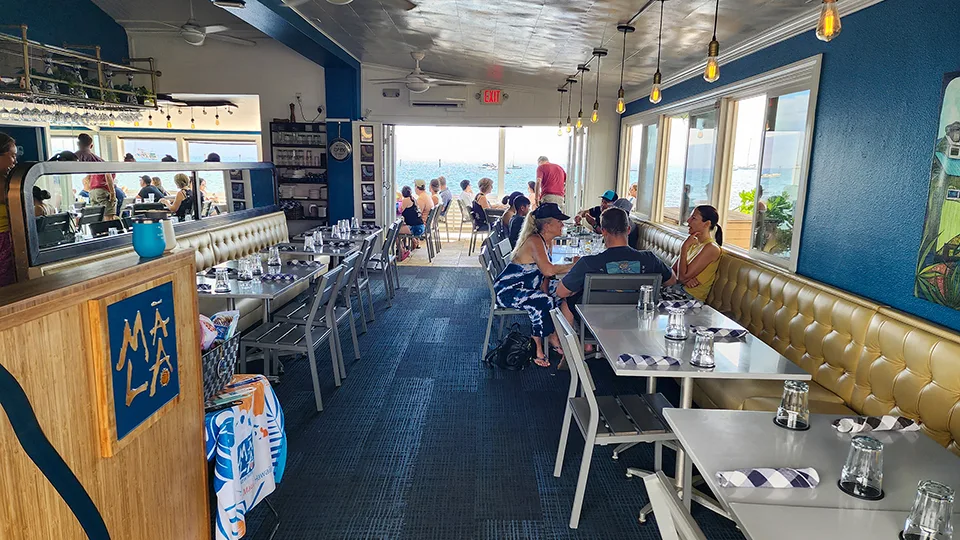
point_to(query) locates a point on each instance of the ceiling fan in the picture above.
(418, 81)
(191, 31)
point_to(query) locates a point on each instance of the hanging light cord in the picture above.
(581, 92)
(569, 100)
(660, 34)
(716, 15)
(623, 56)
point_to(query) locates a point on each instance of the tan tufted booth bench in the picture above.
(864, 358)
(215, 246)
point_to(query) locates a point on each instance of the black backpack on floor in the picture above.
(513, 353)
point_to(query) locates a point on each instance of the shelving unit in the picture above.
(299, 152)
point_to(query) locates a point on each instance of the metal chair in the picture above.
(385, 262)
(465, 217)
(295, 329)
(337, 314)
(427, 236)
(614, 289)
(504, 250)
(495, 311)
(442, 218)
(673, 520)
(604, 420)
(91, 214)
(363, 276)
(357, 283)
(480, 225)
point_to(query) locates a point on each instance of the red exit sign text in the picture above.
(491, 97)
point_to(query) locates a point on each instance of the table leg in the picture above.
(269, 356)
(681, 479)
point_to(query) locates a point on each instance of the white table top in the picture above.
(264, 290)
(619, 330)
(718, 440)
(765, 522)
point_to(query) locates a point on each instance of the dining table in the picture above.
(620, 329)
(356, 235)
(334, 250)
(723, 440)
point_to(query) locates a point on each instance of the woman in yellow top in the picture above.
(699, 257)
(8, 158)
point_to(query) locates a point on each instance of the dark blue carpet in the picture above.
(422, 442)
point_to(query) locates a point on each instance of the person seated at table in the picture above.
(510, 211)
(466, 194)
(159, 185)
(424, 200)
(617, 258)
(696, 267)
(182, 204)
(532, 194)
(435, 191)
(633, 237)
(147, 188)
(482, 198)
(592, 215)
(521, 207)
(412, 217)
(525, 282)
(40, 208)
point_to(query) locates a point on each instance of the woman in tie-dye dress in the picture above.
(524, 283)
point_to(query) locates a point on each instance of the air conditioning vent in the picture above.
(445, 97)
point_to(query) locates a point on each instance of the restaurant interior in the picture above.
(731, 310)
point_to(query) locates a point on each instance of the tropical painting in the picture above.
(938, 266)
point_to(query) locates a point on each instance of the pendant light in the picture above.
(626, 29)
(828, 27)
(193, 123)
(560, 114)
(581, 69)
(712, 72)
(655, 94)
(570, 81)
(150, 119)
(595, 117)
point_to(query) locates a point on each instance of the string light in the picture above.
(626, 29)
(655, 94)
(169, 123)
(828, 27)
(561, 90)
(193, 124)
(571, 81)
(217, 116)
(150, 119)
(581, 69)
(712, 71)
(595, 117)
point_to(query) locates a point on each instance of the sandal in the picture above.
(541, 361)
(562, 365)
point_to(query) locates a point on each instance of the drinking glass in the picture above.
(794, 411)
(645, 304)
(245, 272)
(256, 264)
(274, 258)
(356, 223)
(673, 349)
(308, 244)
(222, 285)
(703, 350)
(317, 238)
(930, 517)
(676, 323)
(862, 474)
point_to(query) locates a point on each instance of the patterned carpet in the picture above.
(422, 442)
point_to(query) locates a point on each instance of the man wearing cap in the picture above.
(617, 258)
(424, 200)
(592, 215)
(551, 182)
(521, 207)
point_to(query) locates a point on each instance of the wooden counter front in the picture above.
(55, 345)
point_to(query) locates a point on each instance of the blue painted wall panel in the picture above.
(343, 101)
(57, 22)
(876, 123)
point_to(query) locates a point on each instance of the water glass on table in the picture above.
(256, 264)
(274, 258)
(245, 270)
(308, 243)
(930, 517)
(794, 410)
(222, 285)
(676, 323)
(645, 304)
(862, 474)
(703, 350)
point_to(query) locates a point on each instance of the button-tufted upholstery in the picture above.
(213, 247)
(864, 357)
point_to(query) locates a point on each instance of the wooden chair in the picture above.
(299, 327)
(601, 419)
(673, 520)
(495, 311)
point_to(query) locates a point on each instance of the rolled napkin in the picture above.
(340, 243)
(204, 287)
(212, 272)
(721, 334)
(862, 424)
(691, 303)
(295, 262)
(287, 248)
(278, 277)
(768, 477)
(647, 360)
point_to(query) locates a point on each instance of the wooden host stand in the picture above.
(55, 344)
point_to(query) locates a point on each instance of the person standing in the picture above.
(103, 192)
(8, 158)
(551, 182)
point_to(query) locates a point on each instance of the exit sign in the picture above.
(491, 97)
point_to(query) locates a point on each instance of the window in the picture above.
(746, 157)
(229, 151)
(698, 185)
(639, 184)
(522, 147)
(147, 150)
(673, 193)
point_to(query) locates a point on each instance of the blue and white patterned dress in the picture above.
(518, 287)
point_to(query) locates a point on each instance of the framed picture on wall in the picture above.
(236, 174)
(366, 153)
(239, 205)
(237, 190)
(366, 192)
(366, 134)
(366, 173)
(368, 210)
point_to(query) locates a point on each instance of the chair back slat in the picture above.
(618, 288)
(505, 251)
(349, 266)
(325, 289)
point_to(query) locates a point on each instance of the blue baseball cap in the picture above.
(609, 195)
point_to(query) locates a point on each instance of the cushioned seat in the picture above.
(816, 407)
(732, 394)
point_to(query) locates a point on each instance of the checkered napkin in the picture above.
(231, 272)
(204, 287)
(647, 360)
(341, 244)
(295, 262)
(278, 277)
(875, 423)
(766, 477)
(672, 299)
(287, 248)
(721, 334)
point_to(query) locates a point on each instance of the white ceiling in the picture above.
(529, 43)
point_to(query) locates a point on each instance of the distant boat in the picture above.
(770, 175)
(489, 166)
(745, 167)
(515, 167)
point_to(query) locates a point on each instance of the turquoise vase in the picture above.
(148, 239)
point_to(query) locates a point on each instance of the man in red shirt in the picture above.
(551, 182)
(102, 191)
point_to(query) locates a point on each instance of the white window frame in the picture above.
(795, 77)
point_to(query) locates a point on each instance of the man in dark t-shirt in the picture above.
(618, 258)
(147, 188)
(592, 215)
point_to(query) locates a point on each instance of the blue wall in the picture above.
(876, 123)
(56, 22)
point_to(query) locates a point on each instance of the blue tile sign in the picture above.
(143, 356)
